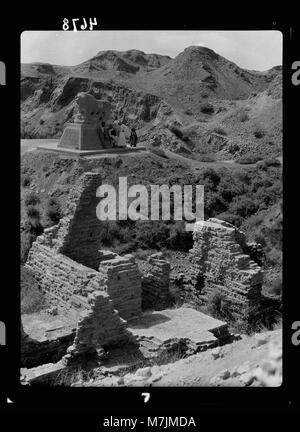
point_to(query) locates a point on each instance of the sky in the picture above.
(257, 50)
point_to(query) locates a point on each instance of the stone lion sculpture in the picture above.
(91, 110)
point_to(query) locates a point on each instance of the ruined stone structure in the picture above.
(97, 295)
(77, 234)
(123, 285)
(96, 288)
(48, 340)
(219, 251)
(99, 326)
(156, 282)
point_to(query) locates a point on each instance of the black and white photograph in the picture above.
(151, 208)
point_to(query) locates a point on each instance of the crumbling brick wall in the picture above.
(123, 284)
(82, 293)
(99, 325)
(94, 286)
(219, 252)
(156, 282)
(65, 282)
(77, 235)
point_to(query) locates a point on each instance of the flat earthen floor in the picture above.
(181, 323)
(42, 326)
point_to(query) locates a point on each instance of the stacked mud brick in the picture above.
(156, 283)
(65, 282)
(78, 234)
(98, 327)
(123, 284)
(219, 252)
(82, 280)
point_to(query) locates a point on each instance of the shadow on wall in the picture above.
(148, 320)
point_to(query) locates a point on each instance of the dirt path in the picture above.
(194, 164)
(31, 144)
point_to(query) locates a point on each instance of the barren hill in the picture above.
(198, 90)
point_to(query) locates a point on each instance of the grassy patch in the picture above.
(26, 180)
(158, 152)
(207, 108)
(219, 130)
(31, 199)
(259, 133)
(179, 133)
(53, 211)
(264, 315)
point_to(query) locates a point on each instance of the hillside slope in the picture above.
(199, 91)
(252, 361)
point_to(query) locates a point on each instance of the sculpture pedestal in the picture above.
(82, 136)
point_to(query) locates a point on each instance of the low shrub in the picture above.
(261, 317)
(219, 130)
(31, 199)
(207, 108)
(264, 315)
(218, 307)
(53, 210)
(259, 133)
(124, 248)
(26, 180)
(176, 130)
(179, 133)
(274, 287)
(179, 238)
(274, 257)
(244, 207)
(33, 212)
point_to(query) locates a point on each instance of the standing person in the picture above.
(113, 135)
(100, 132)
(133, 138)
(106, 135)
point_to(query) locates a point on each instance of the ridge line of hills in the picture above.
(198, 91)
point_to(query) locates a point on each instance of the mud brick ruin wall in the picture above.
(219, 252)
(98, 288)
(81, 292)
(89, 334)
(156, 282)
(123, 285)
(65, 282)
(77, 235)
